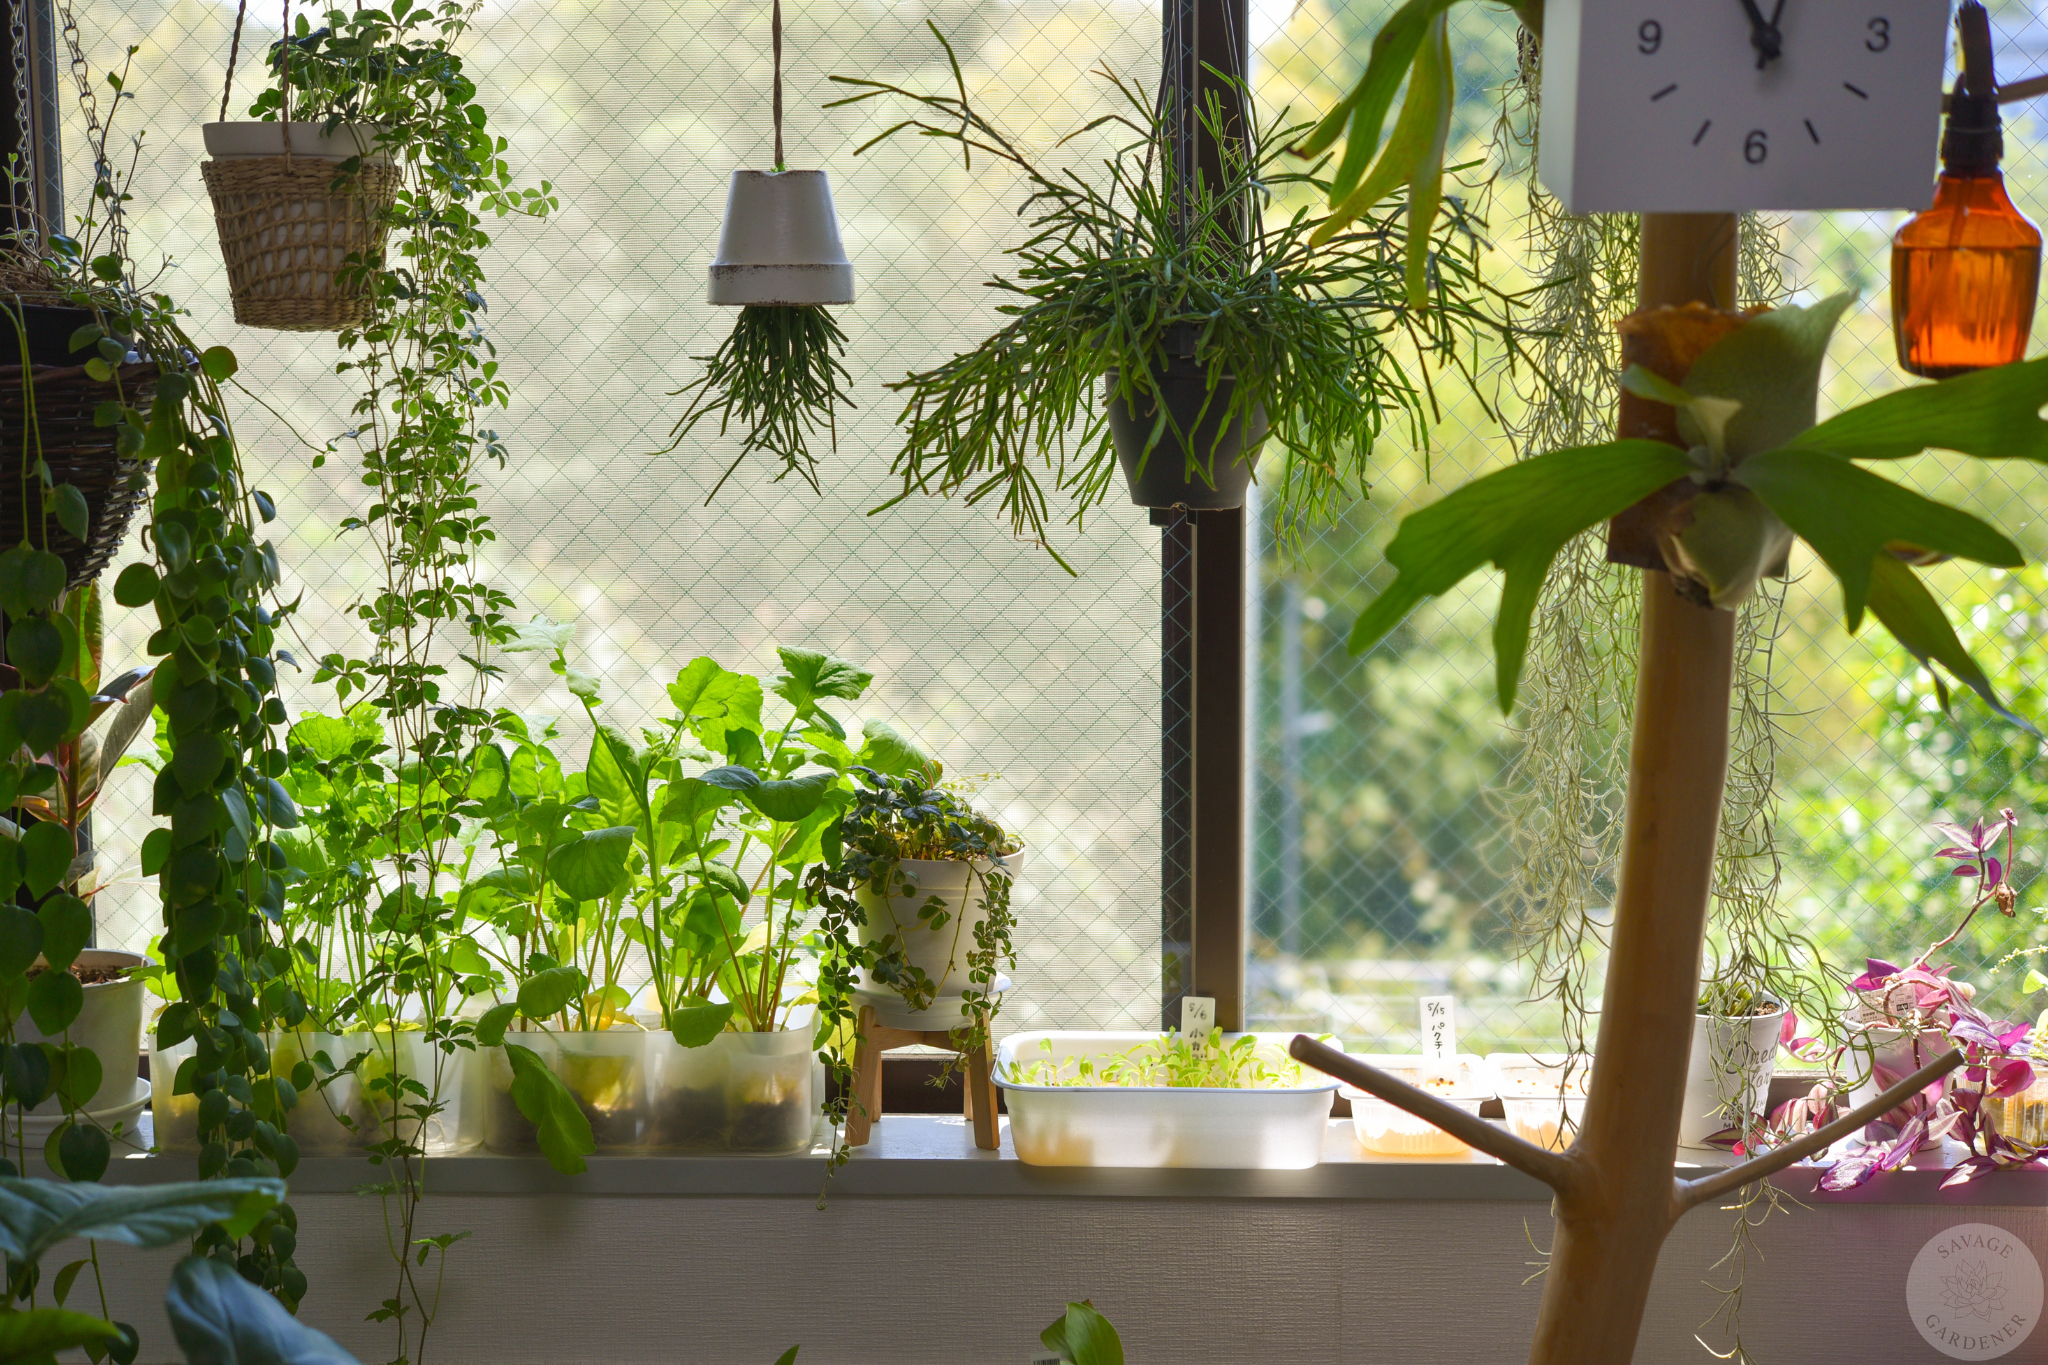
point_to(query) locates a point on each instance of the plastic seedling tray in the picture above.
(1389, 1130)
(1278, 1129)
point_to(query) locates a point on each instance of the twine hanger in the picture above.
(284, 59)
(775, 102)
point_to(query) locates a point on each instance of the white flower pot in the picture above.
(780, 242)
(1880, 1056)
(237, 141)
(941, 953)
(109, 1025)
(740, 1092)
(1729, 1074)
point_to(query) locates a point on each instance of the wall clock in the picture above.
(1706, 106)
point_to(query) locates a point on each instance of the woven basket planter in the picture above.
(286, 226)
(78, 453)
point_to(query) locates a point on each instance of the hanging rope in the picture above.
(775, 29)
(234, 51)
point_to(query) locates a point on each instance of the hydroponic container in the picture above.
(1390, 1130)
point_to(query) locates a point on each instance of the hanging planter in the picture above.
(50, 405)
(1175, 448)
(301, 207)
(778, 376)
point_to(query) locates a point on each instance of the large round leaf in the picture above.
(220, 1318)
(21, 939)
(593, 865)
(67, 925)
(54, 1000)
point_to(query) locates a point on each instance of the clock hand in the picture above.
(1763, 33)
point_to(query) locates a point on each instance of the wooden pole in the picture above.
(1614, 1211)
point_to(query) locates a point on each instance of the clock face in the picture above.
(1697, 106)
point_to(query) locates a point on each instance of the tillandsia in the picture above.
(1172, 1061)
(777, 376)
(1147, 257)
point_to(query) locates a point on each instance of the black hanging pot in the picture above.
(78, 451)
(1163, 480)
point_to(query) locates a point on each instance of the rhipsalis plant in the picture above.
(1145, 255)
(1756, 473)
(427, 375)
(777, 377)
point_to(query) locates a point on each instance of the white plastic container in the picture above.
(444, 1074)
(1543, 1104)
(1277, 1129)
(740, 1092)
(1389, 1130)
(330, 1118)
(605, 1071)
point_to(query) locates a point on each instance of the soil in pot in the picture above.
(1163, 481)
(606, 1073)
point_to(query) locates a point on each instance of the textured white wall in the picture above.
(697, 1280)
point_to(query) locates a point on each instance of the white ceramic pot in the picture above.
(740, 1092)
(941, 953)
(780, 242)
(109, 1025)
(238, 141)
(1880, 1056)
(1728, 1076)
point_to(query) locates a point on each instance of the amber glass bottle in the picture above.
(1965, 271)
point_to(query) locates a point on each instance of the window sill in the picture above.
(930, 1155)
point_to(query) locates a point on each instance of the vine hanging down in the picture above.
(777, 376)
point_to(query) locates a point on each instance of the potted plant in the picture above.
(930, 879)
(303, 193)
(780, 261)
(1211, 322)
(1734, 1052)
(1137, 1099)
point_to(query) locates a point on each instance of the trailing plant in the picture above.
(428, 376)
(910, 814)
(1151, 257)
(777, 376)
(1171, 1060)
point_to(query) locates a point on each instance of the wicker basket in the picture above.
(78, 453)
(286, 227)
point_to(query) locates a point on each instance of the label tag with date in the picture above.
(1197, 1015)
(1440, 1036)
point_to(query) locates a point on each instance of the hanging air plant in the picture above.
(777, 377)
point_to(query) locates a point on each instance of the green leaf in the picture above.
(617, 776)
(593, 865)
(1084, 1337)
(219, 1318)
(67, 927)
(788, 1357)
(39, 1333)
(887, 751)
(1416, 139)
(697, 1024)
(54, 1000)
(36, 1215)
(1902, 603)
(1993, 414)
(72, 513)
(327, 736)
(722, 877)
(813, 676)
(21, 940)
(196, 760)
(36, 647)
(219, 363)
(273, 803)
(1771, 366)
(1518, 518)
(83, 1150)
(732, 777)
(1365, 108)
(43, 718)
(174, 545)
(42, 580)
(548, 993)
(788, 800)
(490, 1029)
(1655, 387)
(78, 1079)
(1851, 516)
(559, 1122)
(46, 854)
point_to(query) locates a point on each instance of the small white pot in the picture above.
(1729, 1074)
(780, 243)
(109, 1025)
(236, 141)
(940, 954)
(1880, 1056)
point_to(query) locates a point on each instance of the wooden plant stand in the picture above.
(978, 1104)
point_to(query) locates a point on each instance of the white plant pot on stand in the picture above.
(109, 1025)
(941, 954)
(1728, 1076)
(780, 243)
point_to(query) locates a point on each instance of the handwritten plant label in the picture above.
(1974, 1292)
(1197, 1015)
(1440, 1036)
